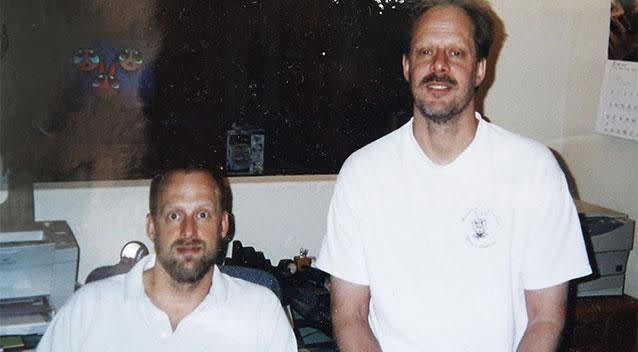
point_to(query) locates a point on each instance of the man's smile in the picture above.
(438, 84)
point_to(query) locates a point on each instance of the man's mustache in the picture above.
(438, 79)
(187, 243)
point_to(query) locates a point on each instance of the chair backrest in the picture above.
(131, 253)
(256, 276)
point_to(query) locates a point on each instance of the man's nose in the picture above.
(189, 227)
(440, 62)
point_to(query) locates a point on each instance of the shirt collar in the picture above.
(414, 145)
(134, 283)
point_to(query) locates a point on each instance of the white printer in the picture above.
(609, 236)
(38, 267)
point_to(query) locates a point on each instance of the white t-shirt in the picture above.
(115, 314)
(448, 251)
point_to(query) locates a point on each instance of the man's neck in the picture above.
(444, 142)
(175, 299)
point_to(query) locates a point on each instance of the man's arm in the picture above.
(350, 304)
(277, 328)
(69, 325)
(546, 318)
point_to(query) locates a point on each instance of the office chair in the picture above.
(131, 253)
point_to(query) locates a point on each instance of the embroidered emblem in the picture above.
(480, 226)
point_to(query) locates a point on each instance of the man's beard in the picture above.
(177, 269)
(454, 108)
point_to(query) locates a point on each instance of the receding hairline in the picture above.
(154, 204)
(478, 12)
(418, 19)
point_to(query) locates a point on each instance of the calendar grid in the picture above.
(618, 109)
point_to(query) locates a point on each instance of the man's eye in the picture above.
(173, 216)
(203, 215)
(426, 52)
(455, 53)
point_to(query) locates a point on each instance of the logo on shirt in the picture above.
(480, 227)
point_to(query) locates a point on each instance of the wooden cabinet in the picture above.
(602, 324)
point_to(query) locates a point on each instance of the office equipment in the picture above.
(38, 266)
(609, 236)
(11, 342)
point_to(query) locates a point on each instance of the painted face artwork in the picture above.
(86, 60)
(106, 84)
(130, 59)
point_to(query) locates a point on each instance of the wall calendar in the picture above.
(618, 110)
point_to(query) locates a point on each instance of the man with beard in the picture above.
(176, 300)
(450, 233)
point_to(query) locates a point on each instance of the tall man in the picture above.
(450, 233)
(176, 300)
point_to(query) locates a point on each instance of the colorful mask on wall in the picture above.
(130, 59)
(106, 84)
(86, 60)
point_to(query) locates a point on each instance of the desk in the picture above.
(602, 324)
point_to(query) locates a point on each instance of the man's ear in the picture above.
(150, 227)
(406, 67)
(481, 69)
(225, 223)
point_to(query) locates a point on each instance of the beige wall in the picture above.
(547, 86)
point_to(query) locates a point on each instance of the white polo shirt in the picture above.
(115, 314)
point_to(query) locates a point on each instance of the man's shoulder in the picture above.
(92, 301)
(241, 290)
(380, 151)
(502, 134)
(109, 288)
(387, 143)
(522, 147)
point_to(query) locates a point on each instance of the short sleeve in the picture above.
(554, 250)
(277, 328)
(342, 250)
(66, 330)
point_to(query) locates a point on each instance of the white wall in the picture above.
(547, 86)
(277, 215)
